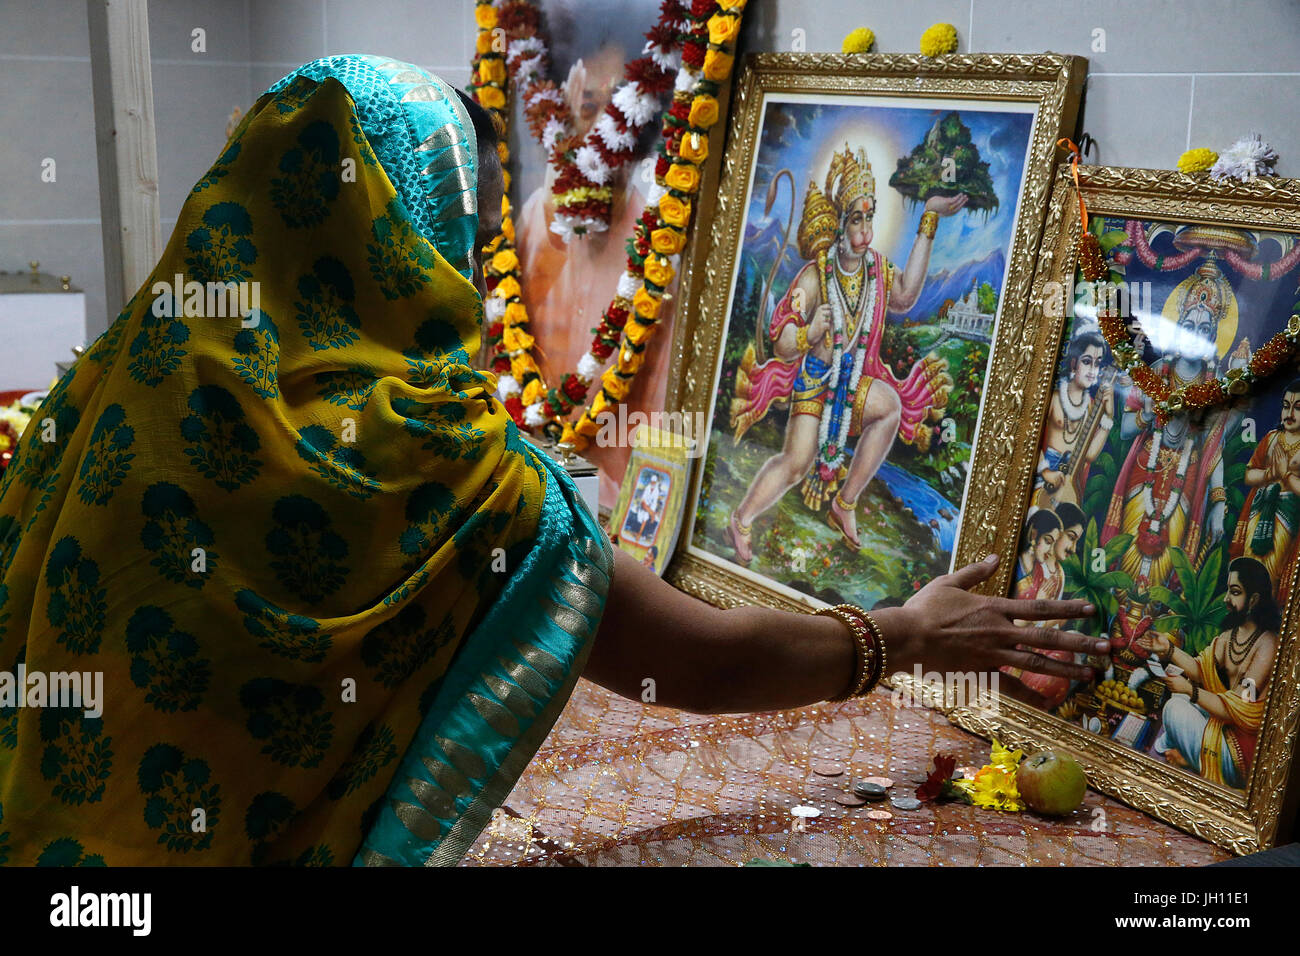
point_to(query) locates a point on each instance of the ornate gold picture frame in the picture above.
(949, 162)
(1168, 532)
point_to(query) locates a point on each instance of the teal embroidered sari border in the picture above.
(502, 695)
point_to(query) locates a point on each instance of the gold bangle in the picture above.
(868, 640)
(929, 224)
(801, 338)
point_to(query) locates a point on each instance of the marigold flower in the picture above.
(485, 15)
(492, 70)
(615, 384)
(860, 40)
(516, 314)
(736, 5)
(694, 148)
(522, 364)
(1197, 160)
(939, 39)
(630, 361)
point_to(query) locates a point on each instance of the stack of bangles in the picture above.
(870, 644)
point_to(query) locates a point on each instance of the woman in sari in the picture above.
(321, 601)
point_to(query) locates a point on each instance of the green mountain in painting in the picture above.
(924, 173)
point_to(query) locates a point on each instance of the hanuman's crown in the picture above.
(854, 177)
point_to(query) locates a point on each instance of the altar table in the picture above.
(620, 783)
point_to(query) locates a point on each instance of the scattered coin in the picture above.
(880, 815)
(826, 768)
(906, 803)
(802, 811)
(870, 791)
(849, 800)
(882, 781)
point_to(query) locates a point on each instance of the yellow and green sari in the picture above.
(335, 601)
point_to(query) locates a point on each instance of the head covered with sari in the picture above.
(331, 600)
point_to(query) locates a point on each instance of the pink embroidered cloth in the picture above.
(619, 783)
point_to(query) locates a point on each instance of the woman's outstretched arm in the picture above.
(747, 659)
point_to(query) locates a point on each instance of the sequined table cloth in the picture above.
(619, 783)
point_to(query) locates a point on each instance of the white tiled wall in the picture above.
(1173, 74)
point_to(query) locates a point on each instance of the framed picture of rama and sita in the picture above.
(901, 373)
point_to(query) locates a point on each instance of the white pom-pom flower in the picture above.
(507, 385)
(590, 367)
(685, 80)
(494, 307)
(1246, 159)
(656, 193)
(551, 133)
(628, 283)
(533, 415)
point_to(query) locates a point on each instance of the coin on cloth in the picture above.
(906, 803)
(849, 800)
(879, 815)
(882, 781)
(826, 768)
(869, 791)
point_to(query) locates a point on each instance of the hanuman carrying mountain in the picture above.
(846, 405)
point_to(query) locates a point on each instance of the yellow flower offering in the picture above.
(491, 71)
(723, 28)
(598, 405)
(860, 40)
(491, 98)
(514, 339)
(485, 15)
(483, 43)
(508, 229)
(704, 111)
(534, 391)
(1197, 160)
(521, 365)
(1005, 759)
(683, 177)
(516, 314)
(695, 148)
(507, 288)
(646, 305)
(736, 5)
(659, 270)
(615, 384)
(674, 211)
(630, 361)
(638, 332)
(939, 39)
(667, 241)
(505, 261)
(585, 429)
(995, 789)
(717, 65)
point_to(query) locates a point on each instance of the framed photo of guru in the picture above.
(858, 322)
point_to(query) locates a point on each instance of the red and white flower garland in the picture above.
(659, 237)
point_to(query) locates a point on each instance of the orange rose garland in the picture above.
(707, 59)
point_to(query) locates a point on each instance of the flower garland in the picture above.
(660, 235)
(608, 146)
(584, 168)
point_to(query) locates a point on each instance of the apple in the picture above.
(1050, 783)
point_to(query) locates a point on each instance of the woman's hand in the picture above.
(946, 628)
